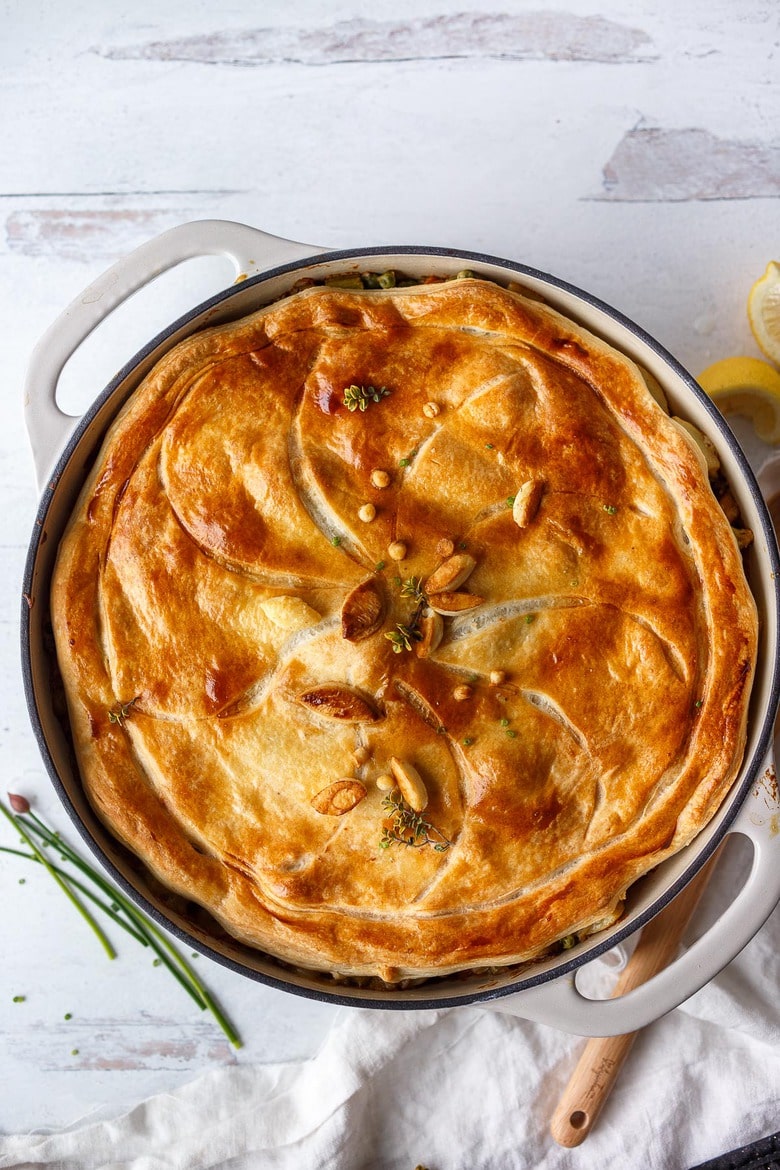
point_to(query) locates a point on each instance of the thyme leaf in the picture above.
(402, 637)
(120, 713)
(358, 397)
(412, 587)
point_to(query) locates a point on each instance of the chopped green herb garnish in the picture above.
(74, 1051)
(610, 508)
(504, 722)
(512, 734)
(490, 446)
(568, 942)
(510, 500)
(19, 998)
(336, 541)
(529, 617)
(379, 566)
(468, 741)
(404, 462)
(68, 1016)
(698, 702)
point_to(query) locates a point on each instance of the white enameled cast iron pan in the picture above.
(63, 448)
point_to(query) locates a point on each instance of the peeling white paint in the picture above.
(666, 165)
(538, 35)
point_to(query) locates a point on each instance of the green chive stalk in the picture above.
(133, 921)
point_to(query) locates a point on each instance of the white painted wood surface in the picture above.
(631, 148)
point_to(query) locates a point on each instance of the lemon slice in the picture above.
(764, 311)
(748, 386)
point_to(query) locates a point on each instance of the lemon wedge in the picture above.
(747, 386)
(764, 311)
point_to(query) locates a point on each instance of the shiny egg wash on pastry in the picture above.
(402, 630)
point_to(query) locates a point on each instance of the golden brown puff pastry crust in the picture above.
(221, 613)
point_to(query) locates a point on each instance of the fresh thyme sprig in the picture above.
(412, 587)
(404, 826)
(120, 713)
(358, 397)
(405, 635)
(120, 909)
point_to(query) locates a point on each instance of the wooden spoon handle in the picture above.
(603, 1057)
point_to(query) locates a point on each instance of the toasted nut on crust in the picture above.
(380, 478)
(397, 550)
(450, 574)
(410, 783)
(463, 692)
(336, 701)
(431, 409)
(338, 798)
(450, 604)
(431, 627)
(385, 783)
(367, 513)
(289, 613)
(445, 547)
(497, 677)
(362, 612)
(526, 502)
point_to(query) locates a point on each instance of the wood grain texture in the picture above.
(603, 1057)
(536, 35)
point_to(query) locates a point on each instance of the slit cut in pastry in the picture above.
(351, 773)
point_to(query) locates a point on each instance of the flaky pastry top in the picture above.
(401, 629)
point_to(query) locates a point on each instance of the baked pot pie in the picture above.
(402, 629)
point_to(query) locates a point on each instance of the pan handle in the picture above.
(250, 251)
(561, 1003)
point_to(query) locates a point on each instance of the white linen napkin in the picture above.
(462, 1089)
